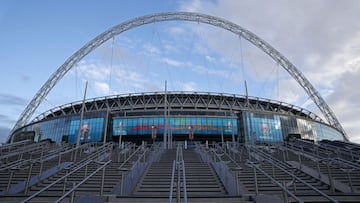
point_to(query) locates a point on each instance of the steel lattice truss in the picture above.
(192, 101)
(179, 16)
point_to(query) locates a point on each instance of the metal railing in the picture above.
(282, 167)
(96, 156)
(131, 176)
(73, 189)
(331, 164)
(25, 150)
(286, 192)
(228, 177)
(172, 181)
(179, 167)
(58, 180)
(184, 181)
(13, 146)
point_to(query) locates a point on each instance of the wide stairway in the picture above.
(200, 178)
(296, 171)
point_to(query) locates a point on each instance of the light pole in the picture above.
(191, 132)
(121, 129)
(232, 133)
(222, 135)
(153, 133)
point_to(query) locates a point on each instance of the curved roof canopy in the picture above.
(197, 101)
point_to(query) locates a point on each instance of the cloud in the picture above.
(7, 99)
(186, 86)
(93, 70)
(101, 87)
(310, 34)
(4, 132)
(321, 38)
(171, 62)
(344, 101)
(6, 120)
(151, 49)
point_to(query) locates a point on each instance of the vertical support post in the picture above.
(232, 133)
(81, 117)
(102, 181)
(9, 182)
(284, 193)
(318, 168)
(349, 178)
(28, 179)
(59, 160)
(120, 136)
(106, 126)
(178, 186)
(122, 183)
(255, 180)
(165, 117)
(169, 130)
(222, 136)
(237, 183)
(330, 177)
(72, 199)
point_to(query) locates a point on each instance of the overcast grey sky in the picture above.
(321, 38)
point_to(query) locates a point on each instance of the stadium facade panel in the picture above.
(187, 115)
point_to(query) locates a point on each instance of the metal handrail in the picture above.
(83, 181)
(228, 156)
(340, 161)
(75, 168)
(14, 144)
(184, 181)
(228, 177)
(22, 162)
(127, 159)
(58, 180)
(275, 182)
(23, 150)
(271, 160)
(172, 181)
(139, 167)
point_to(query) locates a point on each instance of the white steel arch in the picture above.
(178, 16)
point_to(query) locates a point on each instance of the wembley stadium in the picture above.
(198, 116)
(179, 146)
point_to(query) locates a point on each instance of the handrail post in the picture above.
(178, 185)
(330, 178)
(172, 182)
(59, 160)
(102, 181)
(184, 181)
(122, 183)
(285, 194)
(255, 180)
(72, 194)
(28, 179)
(9, 182)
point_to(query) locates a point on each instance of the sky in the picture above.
(320, 37)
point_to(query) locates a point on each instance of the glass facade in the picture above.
(92, 128)
(251, 126)
(261, 127)
(177, 125)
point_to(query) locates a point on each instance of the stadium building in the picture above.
(179, 146)
(196, 116)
